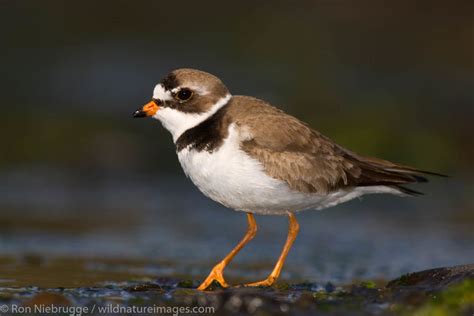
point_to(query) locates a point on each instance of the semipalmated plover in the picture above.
(250, 156)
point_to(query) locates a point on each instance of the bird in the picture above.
(250, 156)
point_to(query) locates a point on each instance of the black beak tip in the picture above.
(139, 113)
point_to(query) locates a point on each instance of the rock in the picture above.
(434, 279)
(145, 287)
(427, 292)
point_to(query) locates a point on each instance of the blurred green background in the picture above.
(390, 79)
(387, 78)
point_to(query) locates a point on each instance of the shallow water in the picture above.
(164, 227)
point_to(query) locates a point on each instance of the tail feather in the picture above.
(407, 191)
(418, 172)
(374, 171)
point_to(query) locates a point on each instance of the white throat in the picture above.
(178, 122)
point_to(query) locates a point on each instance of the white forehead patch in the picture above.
(160, 93)
(198, 89)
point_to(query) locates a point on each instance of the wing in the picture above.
(308, 161)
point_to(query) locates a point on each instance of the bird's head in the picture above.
(185, 98)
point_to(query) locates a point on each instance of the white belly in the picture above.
(231, 177)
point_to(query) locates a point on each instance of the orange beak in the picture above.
(147, 110)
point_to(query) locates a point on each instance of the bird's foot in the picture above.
(267, 282)
(216, 275)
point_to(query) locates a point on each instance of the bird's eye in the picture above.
(184, 94)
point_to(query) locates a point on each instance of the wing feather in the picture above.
(308, 161)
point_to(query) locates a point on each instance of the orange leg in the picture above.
(292, 233)
(217, 272)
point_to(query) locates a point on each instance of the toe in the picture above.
(213, 277)
(267, 282)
